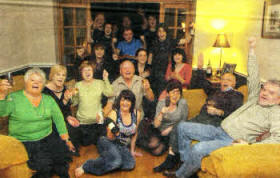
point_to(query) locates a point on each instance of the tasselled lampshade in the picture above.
(221, 41)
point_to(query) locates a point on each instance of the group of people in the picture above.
(159, 61)
(53, 120)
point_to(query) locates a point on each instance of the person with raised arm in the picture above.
(31, 114)
(259, 115)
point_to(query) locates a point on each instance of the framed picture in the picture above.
(228, 68)
(271, 19)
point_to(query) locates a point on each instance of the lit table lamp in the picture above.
(221, 42)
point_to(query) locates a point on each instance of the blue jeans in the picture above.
(112, 156)
(210, 138)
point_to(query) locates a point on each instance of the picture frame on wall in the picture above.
(271, 19)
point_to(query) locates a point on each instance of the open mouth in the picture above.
(225, 86)
(263, 98)
(35, 87)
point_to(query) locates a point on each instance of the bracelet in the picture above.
(67, 140)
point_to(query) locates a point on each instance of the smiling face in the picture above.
(128, 35)
(125, 105)
(227, 81)
(178, 58)
(34, 84)
(126, 22)
(59, 78)
(142, 57)
(127, 70)
(161, 34)
(99, 53)
(100, 20)
(87, 73)
(269, 94)
(152, 21)
(108, 29)
(81, 51)
(174, 96)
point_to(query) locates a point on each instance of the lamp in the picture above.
(221, 42)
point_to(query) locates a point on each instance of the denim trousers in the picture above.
(112, 156)
(210, 138)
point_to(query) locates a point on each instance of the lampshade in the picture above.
(221, 41)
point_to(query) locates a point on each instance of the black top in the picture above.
(150, 36)
(228, 101)
(65, 109)
(147, 67)
(161, 51)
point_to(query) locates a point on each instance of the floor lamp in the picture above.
(221, 42)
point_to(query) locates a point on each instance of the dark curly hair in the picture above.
(174, 84)
(127, 95)
(139, 50)
(177, 51)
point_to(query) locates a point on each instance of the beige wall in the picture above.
(242, 18)
(27, 33)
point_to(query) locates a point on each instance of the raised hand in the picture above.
(105, 75)
(4, 87)
(142, 38)
(252, 42)
(146, 84)
(200, 61)
(115, 57)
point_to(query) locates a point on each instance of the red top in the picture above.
(185, 72)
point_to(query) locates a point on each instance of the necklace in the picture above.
(55, 91)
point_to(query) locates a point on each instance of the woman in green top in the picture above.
(31, 114)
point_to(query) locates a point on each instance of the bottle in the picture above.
(209, 69)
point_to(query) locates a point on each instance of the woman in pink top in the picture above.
(178, 68)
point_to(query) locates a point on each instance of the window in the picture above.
(73, 28)
(73, 17)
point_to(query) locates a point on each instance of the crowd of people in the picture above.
(128, 93)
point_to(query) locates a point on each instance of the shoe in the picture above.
(169, 174)
(169, 163)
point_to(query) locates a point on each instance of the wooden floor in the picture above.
(143, 169)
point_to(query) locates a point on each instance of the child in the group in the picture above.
(114, 152)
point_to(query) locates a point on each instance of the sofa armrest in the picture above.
(195, 100)
(12, 152)
(257, 160)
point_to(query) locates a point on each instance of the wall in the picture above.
(241, 20)
(27, 33)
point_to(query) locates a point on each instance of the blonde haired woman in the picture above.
(57, 90)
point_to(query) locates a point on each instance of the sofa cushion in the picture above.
(246, 161)
(12, 152)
